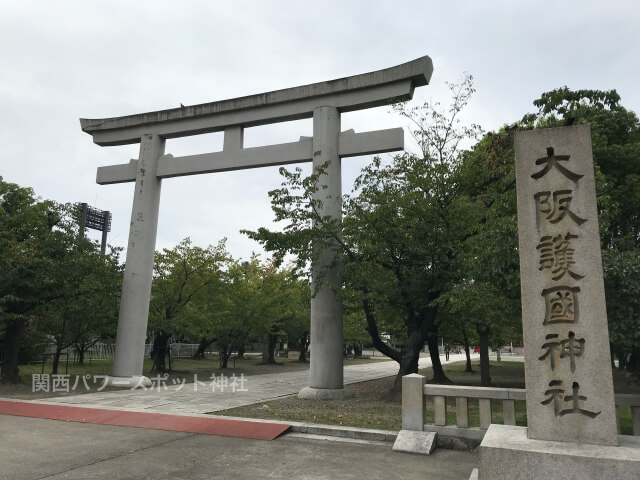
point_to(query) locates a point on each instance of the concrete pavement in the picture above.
(33, 448)
(38, 449)
(196, 398)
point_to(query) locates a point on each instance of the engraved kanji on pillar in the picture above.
(569, 385)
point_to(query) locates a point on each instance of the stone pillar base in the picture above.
(310, 393)
(136, 381)
(411, 441)
(506, 452)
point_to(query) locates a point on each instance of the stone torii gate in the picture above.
(324, 102)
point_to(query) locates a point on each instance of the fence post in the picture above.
(508, 412)
(413, 402)
(440, 410)
(462, 412)
(484, 406)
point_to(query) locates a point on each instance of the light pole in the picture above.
(97, 220)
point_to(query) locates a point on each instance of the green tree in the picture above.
(26, 238)
(180, 275)
(400, 231)
(486, 302)
(51, 279)
(35, 239)
(354, 325)
(259, 302)
(457, 327)
(297, 315)
(615, 133)
(274, 306)
(622, 287)
(239, 311)
(84, 297)
(482, 310)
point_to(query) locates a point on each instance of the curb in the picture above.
(322, 430)
(355, 433)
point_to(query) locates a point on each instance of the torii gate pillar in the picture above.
(138, 270)
(326, 373)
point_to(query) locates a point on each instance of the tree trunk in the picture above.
(225, 354)
(409, 361)
(485, 377)
(56, 361)
(240, 353)
(81, 355)
(372, 329)
(272, 349)
(82, 348)
(357, 350)
(467, 352)
(304, 347)
(438, 373)
(12, 337)
(204, 343)
(159, 363)
(160, 352)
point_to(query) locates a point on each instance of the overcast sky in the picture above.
(62, 60)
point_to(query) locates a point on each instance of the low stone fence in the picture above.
(415, 391)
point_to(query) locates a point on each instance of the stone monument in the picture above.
(572, 432)
(324, 102)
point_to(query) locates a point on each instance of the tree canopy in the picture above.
(401, 228)
(429, 241)
(52, 279)
(615, 133)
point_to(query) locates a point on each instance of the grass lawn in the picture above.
(367, 409)
(372, 408)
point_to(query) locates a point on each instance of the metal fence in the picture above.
(178, 350)
(97, 351)
(183, 350)
(106, 351)
(101, 351)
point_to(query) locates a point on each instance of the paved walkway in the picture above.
(33, 448)
(200, 398)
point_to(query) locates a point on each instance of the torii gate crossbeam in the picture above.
(324, 102)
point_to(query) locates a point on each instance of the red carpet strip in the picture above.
(156, 421)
